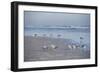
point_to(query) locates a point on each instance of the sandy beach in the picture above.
(34, 51)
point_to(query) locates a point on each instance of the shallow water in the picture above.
(71, 33)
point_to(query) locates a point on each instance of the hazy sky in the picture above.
(47, 19)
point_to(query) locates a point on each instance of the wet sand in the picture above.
(33, 49)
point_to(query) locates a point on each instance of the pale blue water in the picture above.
(69, 33)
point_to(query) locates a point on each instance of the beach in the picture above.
(34, 51)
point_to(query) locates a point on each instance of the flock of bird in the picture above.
(74, 46)
(68, 46)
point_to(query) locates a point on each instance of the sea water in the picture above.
(78, 35)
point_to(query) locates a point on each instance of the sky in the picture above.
(55, 19)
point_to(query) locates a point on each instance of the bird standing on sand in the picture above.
(53, 46)
(74, 46)
(45, 47)
(81, 38)
(69, 46)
